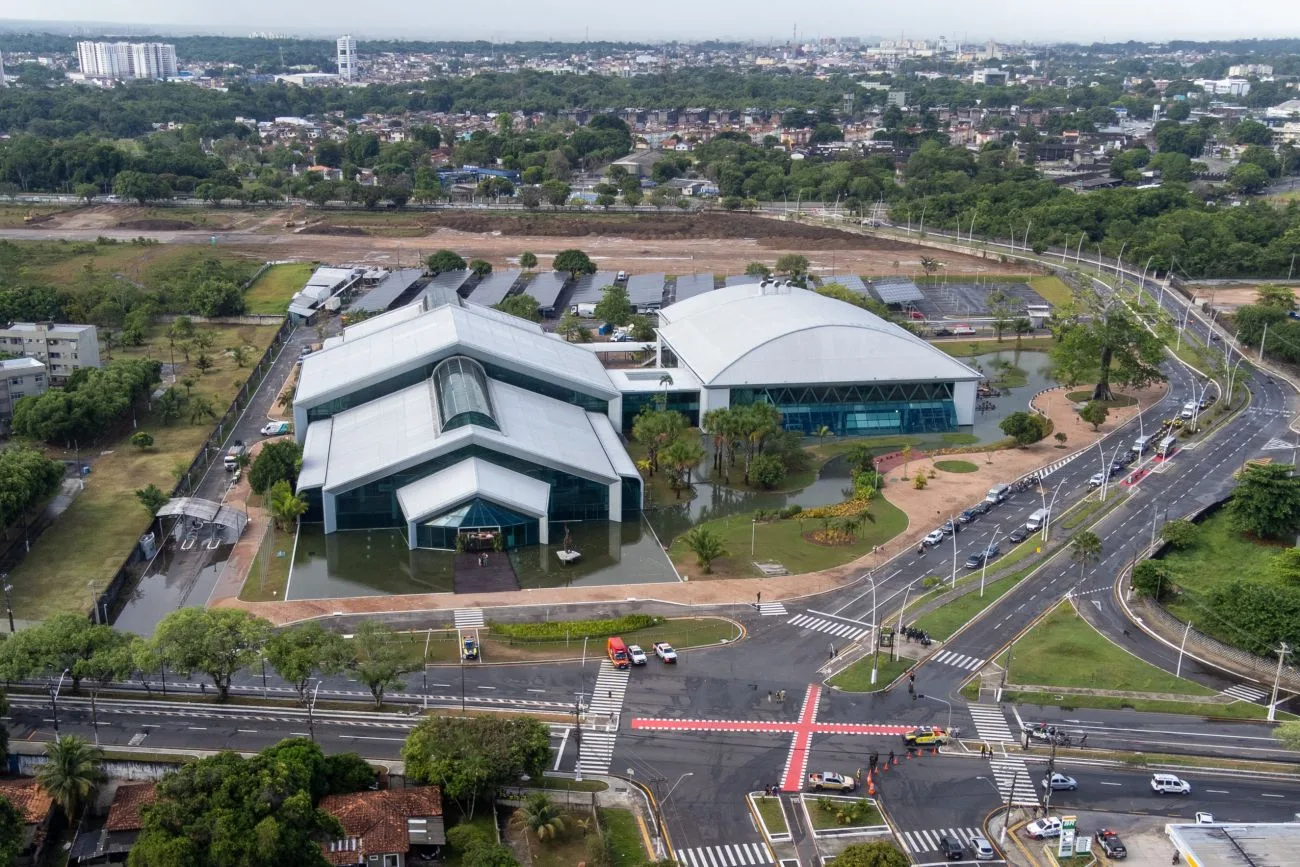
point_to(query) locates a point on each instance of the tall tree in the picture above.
(527, 260)
(1266, 502)
(298, 652)
(614, 306)
(377, 659)
(444, 260)
(53, 646)
(524, 306)
(276, 461)
(215, 641)
(575, 262)
(71, 773)
(871, 855)
(13, 832)
(1113, 344)
(470, 758)
(285, 506)
(655, 429)
(1085, 549)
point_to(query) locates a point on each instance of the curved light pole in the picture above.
(944, 701)
(953, 522)
(1105, 471)
(311, 711)
(1048, 506)
(875, 629)
(54, 703)
(675, 785)
(985, 566)
(1078, 248)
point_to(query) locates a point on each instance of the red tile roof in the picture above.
(124, 814)
(374, 823)
(28, 798)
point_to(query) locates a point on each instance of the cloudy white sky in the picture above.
(503, 20)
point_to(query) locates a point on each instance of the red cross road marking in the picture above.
(796, 763)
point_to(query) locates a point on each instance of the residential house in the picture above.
(36, 808)
(111, 843)
(384, 828)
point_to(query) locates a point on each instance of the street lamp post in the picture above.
(577, 712)
(1178, 672)
(263, 676)
(424, 669)
(907, 591)
(311, 711)
(875, 630)
(674, 787)
(944, 701)
(54, 703)
(952, 522)
(9, 604)
(985, 567)
(1105, 478)
(1048, 505)
(1282, 650)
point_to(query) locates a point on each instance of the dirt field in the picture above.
(670, 242)
(1230, 296)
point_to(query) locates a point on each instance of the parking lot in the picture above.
(963, 300)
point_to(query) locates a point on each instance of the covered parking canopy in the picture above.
(207, 511)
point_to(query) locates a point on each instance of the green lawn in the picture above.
(943, 621)
(783, 541)
(1053, 289)
(773, 817)
(1235, 710)
(966, 348)
(92, 539)
(269, 574)
(1117, 400)
(272, 291)
(1064, 650)
(857, 677)
(835, 813)
(624, 837)
(956, 466)
(1220, 556)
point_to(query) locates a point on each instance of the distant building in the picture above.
(19, 377)
(61, 348)
(124, 60)
(347, 58)
(1223, 86)
(3, 83)
(990, 76)
(1241, 70)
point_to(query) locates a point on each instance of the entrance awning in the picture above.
(473, 477)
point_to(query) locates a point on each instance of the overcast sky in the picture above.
(572, 20)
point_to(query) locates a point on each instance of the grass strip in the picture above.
(773, 816)
(857, 677)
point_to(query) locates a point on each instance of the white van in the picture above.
(1167, 446)
(998, 494)
(584, 311)
(1141, 444)
(1037, 520)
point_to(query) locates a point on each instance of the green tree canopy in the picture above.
(277, 461)
(1094, 413)
(1025, 428)
(1113, 346)
(52, 646)
(470, 758)
(871, 855)
(614, 306)
(378, 660)
(13, 832)
(71, 773)
(1180, 533)
(575, 262)
(26, 478)
(524, 306)
(1266, 502)
(298, 652)
(444, 260)
(215, 641)
(1151, 578)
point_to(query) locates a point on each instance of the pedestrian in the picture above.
(769, 696)
(983, 751)
(767, 791)
(1083, 740)
(892, 759)
(911, 677)
(203, 688)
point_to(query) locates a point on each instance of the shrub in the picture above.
(767, 471)
(553, 630)
(791, 510)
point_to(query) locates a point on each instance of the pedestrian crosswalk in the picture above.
(725, 855)
(916, 842)
(596, 747)
(991, 723)
(611, 687)
(1242, 692)
(847, 631)
(958, 660)
(771, 609)
(596, 751)
(468, 618)
(1014, 781)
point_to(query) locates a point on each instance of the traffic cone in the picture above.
(871, 786)
(895, 760)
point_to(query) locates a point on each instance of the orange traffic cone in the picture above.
(871, 786)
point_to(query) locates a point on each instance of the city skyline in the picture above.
(1109, 21)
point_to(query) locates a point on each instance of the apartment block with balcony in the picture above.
(61, 348)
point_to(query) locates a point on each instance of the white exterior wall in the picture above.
(714, 398)
(616, 412)
(328, 506)
(963, 397)
(616, 501)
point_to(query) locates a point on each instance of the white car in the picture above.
(1041, 829)
(935, 537)
(636, 654)
(1205, 818)
(1060, 782)
(665, 651)
(1096, 480)
(1168, 784)
(1189, 410)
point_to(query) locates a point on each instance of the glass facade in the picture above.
(859, 410)
(462, 390)
(685, 402)
(549, 389)
(374, 505)
(371, 392)
(478, 514)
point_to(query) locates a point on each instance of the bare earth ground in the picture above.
(946, 494)
(1232, 296)
(674, 244)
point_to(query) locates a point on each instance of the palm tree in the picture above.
(286, 506)
(822, 433)
(201, 408)
(706, 545)
(928, 265)
(665, 380)
(71, 773)
(1085, 548)
(539, 816)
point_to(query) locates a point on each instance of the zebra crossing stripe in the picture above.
(958, 660)
(725, 855)
(1013, 778)
(1242, 692)
(467, 618)
(831, 627)
(990, 723)
(771, 609)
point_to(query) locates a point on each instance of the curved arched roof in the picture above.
(754, 335)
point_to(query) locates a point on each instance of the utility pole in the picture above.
(1282, 650)
(1006, 818)
(9, 604)
(1178, 672)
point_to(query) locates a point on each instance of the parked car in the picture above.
(926, 736)
(976, 560)
(665, 651)
(1097, 480)
(1111, 844)
(982, 507)
(1041, 829)
(636, 654)
(949, 528)
(1168, 784)
(935, 537)
(983, 848)
(1018, 535)
(1060, 783)
(1205, 818)
(277, 428)
(967, 516)
(829, 781)
(951, 848)
(1117, 468)
(469, 649)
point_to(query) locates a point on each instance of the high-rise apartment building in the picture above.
(19, 378)
(127, 59)
(61, 348)
(3, 83)
(347, 58)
